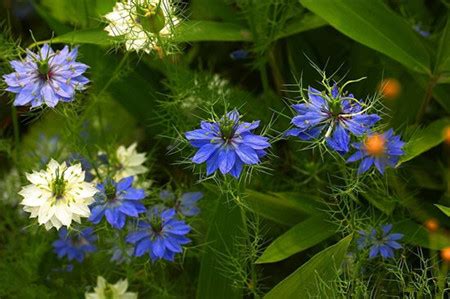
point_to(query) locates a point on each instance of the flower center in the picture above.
(151, 17)
(375, 145)
(156, 225)
(44, 70)
(58, 186)
(227, 130)
(110, 191)
(335, 108)
(108, 292)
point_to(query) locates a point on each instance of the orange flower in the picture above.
(447, 135)
(445, 254)
(390, 88)
(375, 145)
(432, 224)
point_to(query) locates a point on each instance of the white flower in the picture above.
(126, 162)
(141, 23)
(105, 290)
(58, 195)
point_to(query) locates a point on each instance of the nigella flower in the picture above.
(162, 237)
(58, 195)
(115, 201)
(142, 23)
(46, 77)
(335, 113)
(76, 244)
(381, 242)
(379, 149)
(227, 144)
(126, 162)
(186, 204)
(106, 290)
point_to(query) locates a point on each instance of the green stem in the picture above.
(427, 98)
(16, 128)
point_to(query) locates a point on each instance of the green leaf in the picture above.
(306, 22)
(444, 209)
(323, 266)
(89, 36)
(424, 140)
(416, 234)
(194, 31)
(283, 208)
(224, 229)
(300, 237)
(376, 26)
(443, 54)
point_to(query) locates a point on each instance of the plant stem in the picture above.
(16, 129)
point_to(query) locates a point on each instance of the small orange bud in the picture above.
(390, 88)
(375, 145)
(445, 254)
(447, 135)
(432, 224)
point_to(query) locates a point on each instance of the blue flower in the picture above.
(380, 149)
(76, 244)
(162, 237)
(115, 201)
(240, 54)
(337, 114)
(46, 77)
(227, 144)
(186, 204)
(381, 243)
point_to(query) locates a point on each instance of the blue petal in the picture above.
(365, 164)
(136, 236)
(125, 183)
(227, 157)
(142, 247)
(247, 154)
(204, 153)
(340, 140)
(256, 141)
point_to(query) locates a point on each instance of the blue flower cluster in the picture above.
(46, 77)
(162, 236)
(381, 242)
(335, 116)
(76, 244)
(227, 144)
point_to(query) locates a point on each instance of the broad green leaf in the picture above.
(376, 26)
(225, 228)
(321, 267)
(424, 140)
(443, 54)
(301, 24)
(89, 36)
(283, 208)
(416, 234)
(444, 209)
(194, 31)
(300, 237)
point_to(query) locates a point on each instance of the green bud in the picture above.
(43, 67)
(151, 17)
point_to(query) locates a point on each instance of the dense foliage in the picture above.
(225, 149)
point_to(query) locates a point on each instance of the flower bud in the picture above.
(390, 88)
(445, 254)
(432, 224)
(446, 134)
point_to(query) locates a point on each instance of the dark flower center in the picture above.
(156, 225)
(227, 129)
(44, 70)
(110, 191)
